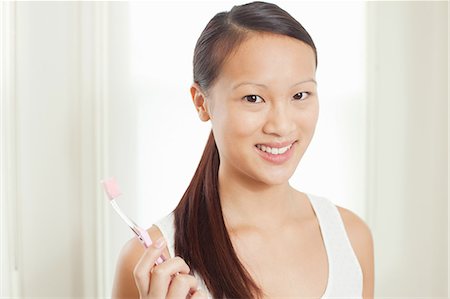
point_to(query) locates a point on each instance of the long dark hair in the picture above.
(201, 237)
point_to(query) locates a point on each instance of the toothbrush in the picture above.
(112, 191)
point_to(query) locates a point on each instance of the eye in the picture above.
(253, 98)
(301, 95)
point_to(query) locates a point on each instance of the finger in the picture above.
(147, 261)
(162, 275)
(181, 286)
(199, 294)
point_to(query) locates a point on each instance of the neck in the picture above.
(246, 202)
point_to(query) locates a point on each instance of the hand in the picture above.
(170, 279)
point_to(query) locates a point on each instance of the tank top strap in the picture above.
(345, 274)
(167, 227)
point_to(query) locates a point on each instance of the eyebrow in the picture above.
(265, 86)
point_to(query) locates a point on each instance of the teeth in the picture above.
(274, 150)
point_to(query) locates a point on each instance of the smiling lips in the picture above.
(274, 150)
(276, 153)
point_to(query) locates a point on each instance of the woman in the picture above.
(240, 230)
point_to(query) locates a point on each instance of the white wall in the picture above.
(408, 77)
(52, 150)
(8, 239)
(48, 148)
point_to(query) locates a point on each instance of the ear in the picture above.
(199, 99)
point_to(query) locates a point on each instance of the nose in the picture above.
(280, 120)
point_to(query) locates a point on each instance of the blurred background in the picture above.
(97, 89)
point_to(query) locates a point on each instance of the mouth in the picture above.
(276, 154)
(274, 150)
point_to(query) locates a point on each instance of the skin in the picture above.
(265, 92)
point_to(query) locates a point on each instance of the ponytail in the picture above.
(201, 237)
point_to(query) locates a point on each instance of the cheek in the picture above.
(312, 118)
(247, 124)
(235, 122)
(309, 117)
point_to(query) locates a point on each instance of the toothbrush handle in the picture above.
(145, 239)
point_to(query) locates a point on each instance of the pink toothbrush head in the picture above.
(111, 188)
(112, 191)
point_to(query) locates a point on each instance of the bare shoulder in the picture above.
(361, 240)
(124, 285)
(358, 231)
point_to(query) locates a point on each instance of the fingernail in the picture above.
(160, 243)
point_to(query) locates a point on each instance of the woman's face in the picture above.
(264, 99)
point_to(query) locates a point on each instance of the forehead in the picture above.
(265, 56)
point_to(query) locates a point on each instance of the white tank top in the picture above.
(345, 277)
